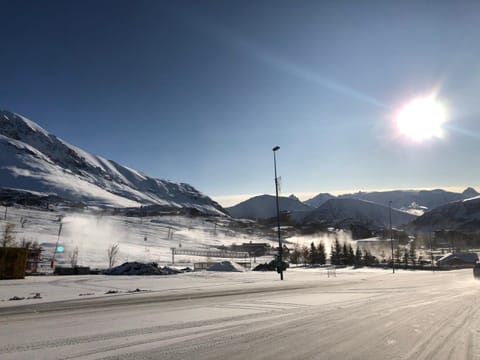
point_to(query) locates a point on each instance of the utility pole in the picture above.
(52, 263)
(280, 249)
(431, 252)
(391, 235)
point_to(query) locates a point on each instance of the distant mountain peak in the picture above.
(263, 207)
(470, 192)
(319, 199)
(293, 197)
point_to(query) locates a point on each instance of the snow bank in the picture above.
(226, 266)
(138, 268)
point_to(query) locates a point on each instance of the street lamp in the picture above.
(280, 250)
(391, 235)
(52, 262)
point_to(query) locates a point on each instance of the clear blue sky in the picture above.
(200, 91)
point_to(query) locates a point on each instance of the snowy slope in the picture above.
(319, 199)
(264, 207)
(461, 215)
(32, 159)
(412, 199)
(345, 212)
(146, 238)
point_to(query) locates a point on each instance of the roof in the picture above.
(459, 257)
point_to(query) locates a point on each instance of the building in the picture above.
(458, 260)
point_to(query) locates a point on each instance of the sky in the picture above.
(201, 91)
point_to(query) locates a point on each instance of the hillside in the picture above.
(31, 159)
(264, 207)
(319, 199)
(460, 215)
(412, 199)
(345, 212)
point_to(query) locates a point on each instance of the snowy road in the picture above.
(363, 314)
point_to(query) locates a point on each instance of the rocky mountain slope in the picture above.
(32, 159)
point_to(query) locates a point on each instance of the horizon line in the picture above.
(234, 199)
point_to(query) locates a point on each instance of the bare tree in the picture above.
(112, 255)
(27, 244)
(73, 257)
(8, 239)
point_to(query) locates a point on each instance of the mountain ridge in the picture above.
(34, 160)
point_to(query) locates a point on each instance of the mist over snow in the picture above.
(145, 239)
(326, 238)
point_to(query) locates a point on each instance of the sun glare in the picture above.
(421, 119)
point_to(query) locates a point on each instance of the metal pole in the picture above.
(52, 262)
(280, 249)
(391, 235)
(431, 252)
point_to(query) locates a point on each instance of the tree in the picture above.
(350, 255)
(336, 254)
(405, 257)
(344, 258)
(412, 254)
(313, 256)
(27, 244)
(8, 239)
(382, 255)
(358, 257)
(322, 255)
(305, 254)
(397, 255)
(73, 257)
(295, 254)
(112, 255)
(368, 258)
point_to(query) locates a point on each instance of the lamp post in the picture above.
(391, 235)
(280, 249)
(52, 262)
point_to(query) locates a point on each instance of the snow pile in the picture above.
(138, 268)
(226, 266)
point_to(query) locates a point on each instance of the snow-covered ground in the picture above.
(147, 239)
(357, 314)
(312, 314)
(56, 288)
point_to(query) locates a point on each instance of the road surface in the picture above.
(367, 315)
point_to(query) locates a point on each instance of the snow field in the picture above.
(145, 239)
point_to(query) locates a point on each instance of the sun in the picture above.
(421, 119)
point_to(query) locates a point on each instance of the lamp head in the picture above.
(276, 148)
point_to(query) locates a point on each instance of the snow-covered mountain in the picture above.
(334, 212)
(319, 199)
(414, 201)
(32, 159)
(264, 207)
(345, 212)
(463, 215)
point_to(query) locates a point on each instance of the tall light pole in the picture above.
(280, 249)
(391, 234)
(52, 262)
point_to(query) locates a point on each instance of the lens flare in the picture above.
(421, 119)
